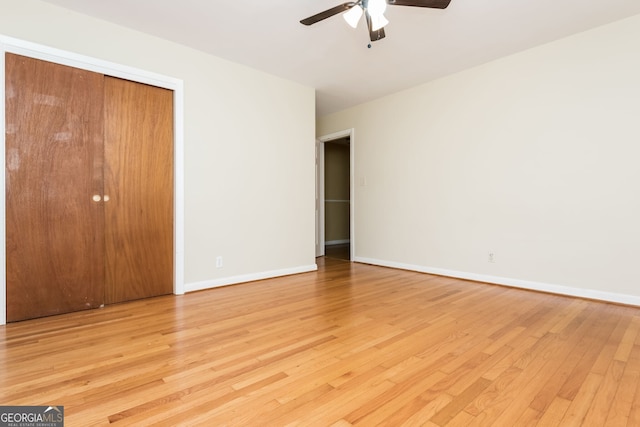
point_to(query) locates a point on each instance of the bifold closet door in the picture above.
(54, 167)
(139, 184)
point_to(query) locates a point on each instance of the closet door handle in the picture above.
(96, 198)
(106, 198)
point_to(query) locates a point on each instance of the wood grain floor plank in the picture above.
(527, 384)
(588, 337)
(622, 402)
(529, 418)
(580, 405)
(603, 399)
(462, 419)
(628, 340)
(554, 413)
(386, 404)
(458, 403)
(424, 407)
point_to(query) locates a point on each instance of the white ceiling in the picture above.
(421, 44)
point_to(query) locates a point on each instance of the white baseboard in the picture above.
(337, 242)
(514, 283)
(233, 280)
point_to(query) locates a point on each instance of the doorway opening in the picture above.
(337, 198)
(334, 201)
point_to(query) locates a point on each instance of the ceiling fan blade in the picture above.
(327, 13)
(377, 35)
(435, 4)
(374, 35)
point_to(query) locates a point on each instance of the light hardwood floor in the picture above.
(349, 345)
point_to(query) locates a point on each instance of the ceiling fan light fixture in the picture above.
(378, 21)
(376, 8)
(352, 16)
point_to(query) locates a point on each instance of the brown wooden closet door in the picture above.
(54, 164)
(139, 183)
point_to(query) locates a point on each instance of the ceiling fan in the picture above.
(373, 11)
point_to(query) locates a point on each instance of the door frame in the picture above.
(320, 239)
(46, 53)
(320, 226)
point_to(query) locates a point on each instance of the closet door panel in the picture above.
(139, 184)
(54, 167)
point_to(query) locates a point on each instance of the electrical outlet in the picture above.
(492, 257)
(219, 262)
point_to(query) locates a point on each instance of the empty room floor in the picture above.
(350, 344)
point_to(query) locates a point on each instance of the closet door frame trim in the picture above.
(37, 51)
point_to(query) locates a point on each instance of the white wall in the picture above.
(534, 157)
(249, 145)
